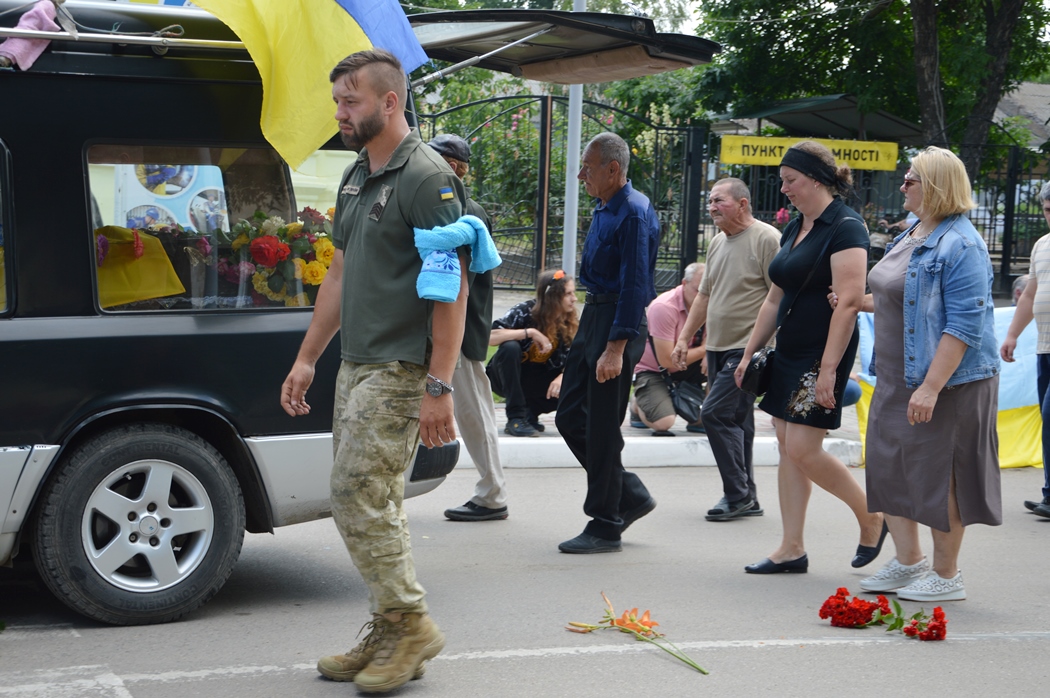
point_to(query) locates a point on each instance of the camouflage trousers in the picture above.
(375, 433)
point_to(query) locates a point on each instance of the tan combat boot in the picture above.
(344, 667)
(401, 652)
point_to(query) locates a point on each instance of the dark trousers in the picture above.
(729, 419)
(524, 385)
(589, 418)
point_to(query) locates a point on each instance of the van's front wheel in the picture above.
(141, 524)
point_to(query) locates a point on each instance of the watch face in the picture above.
(434, 389)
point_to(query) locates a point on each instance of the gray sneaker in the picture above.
(934, 587)
(894, 575)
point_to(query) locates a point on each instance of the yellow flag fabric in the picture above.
(125, 278)
(295, 44)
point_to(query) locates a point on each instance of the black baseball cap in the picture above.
(451, 146)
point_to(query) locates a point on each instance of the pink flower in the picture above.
(204, 246)
(783, 216)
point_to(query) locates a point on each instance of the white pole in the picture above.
(572, 167)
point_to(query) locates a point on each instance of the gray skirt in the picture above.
(909, 468)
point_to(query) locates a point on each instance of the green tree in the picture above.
(945, 64)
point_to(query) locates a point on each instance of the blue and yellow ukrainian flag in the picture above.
(296, 43)
(1019, 421)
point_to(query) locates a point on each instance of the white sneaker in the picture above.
(894, 575)
(934, 587)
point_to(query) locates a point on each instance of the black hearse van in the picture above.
(143, 337)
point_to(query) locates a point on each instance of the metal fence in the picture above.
(518, 146)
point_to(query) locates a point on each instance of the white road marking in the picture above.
(100, 681)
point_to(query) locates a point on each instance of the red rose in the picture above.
(268, 250)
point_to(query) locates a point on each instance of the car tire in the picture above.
(141, 524)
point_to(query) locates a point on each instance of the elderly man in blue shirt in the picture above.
(617, 268)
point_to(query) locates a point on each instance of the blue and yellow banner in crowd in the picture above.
(1020, 423)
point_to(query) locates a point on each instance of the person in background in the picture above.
(617, 267)
(1017, 289)
(736, 282)
(533, 338)
(932, 448)
(651, 402)
(475, 414)
(816, 345)
(1034, 302)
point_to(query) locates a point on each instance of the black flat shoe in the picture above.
(866, 553)
(767, 566)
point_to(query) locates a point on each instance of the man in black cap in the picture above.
(475, 414)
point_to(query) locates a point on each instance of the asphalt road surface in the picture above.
(502, 594)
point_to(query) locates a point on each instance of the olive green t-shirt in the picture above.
(479, 302)
(382, 318)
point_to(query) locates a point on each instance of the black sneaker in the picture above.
(724, 511)
(519, 427)
(534, 422)
(1030, 505)
(475, 512)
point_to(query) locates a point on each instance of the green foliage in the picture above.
(774, 50)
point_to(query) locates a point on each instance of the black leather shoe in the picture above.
(1042, 510)
(475, 512)
(632, 515)
(519, 427)
(866, 553)
(585, 543)
(731, 511)
(1030, 505)
(767, 566)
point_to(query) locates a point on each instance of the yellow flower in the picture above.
(314, 273)
(299, 300)
(300, 265)
(293, 228)
(330, 213)
(240, 241)
(325, 250)
(259, 280)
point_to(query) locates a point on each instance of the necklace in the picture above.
(383, 164)
(916, 241)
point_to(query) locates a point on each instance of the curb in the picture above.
(648, 452)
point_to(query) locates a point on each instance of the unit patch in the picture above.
(380, 203)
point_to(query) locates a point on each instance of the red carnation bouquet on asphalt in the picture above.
(845, 612)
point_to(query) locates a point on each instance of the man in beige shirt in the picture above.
(735, 283)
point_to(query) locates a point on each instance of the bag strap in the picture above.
(664, 373)
(809, 276)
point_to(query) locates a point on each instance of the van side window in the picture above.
(183, 228)
(4, 276)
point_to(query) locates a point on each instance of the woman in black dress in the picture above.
(816, 347)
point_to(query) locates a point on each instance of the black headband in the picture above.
(810, 165)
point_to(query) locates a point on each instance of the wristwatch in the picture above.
(437, 387)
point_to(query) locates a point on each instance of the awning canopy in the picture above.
(578, 47)
(835, 116)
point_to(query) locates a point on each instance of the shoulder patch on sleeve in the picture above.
(446, 193)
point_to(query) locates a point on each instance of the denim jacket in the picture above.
(948, 289)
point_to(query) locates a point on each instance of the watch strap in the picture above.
(445, 387)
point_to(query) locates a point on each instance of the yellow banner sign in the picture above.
(758, 150)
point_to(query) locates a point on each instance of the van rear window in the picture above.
(185, 228)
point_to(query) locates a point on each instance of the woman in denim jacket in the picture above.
(932, 449)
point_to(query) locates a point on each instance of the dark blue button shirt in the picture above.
(619, 256)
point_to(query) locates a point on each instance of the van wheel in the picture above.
(141, 524)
